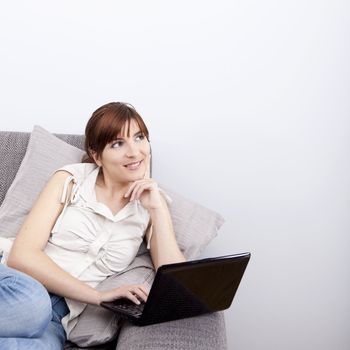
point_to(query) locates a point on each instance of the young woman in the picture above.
(88, 224)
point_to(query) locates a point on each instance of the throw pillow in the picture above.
(194, 225)
(45, 153)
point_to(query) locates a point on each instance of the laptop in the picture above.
(186, 289)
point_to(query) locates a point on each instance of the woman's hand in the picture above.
(147, 191)
(134, 292)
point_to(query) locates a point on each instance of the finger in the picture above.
(142, 294)
(127, 193)
(144, 288)
(148, 167)
(139, 188)
(138, 191)
(149, 185)
(136, 187)
(131, 188)
(132, 297)
(139, 292)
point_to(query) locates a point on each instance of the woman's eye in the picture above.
(117, 144)
(140, 137)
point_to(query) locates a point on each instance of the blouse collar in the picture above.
(88, 194)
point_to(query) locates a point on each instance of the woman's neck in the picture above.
(111, 189)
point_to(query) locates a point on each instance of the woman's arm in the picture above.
(164, 248)
(28, 254)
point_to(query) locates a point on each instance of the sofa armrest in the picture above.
(205, 332)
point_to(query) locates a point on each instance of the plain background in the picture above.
(248, 107)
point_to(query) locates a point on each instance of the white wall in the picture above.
(248, 106)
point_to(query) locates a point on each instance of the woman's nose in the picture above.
(132, 150)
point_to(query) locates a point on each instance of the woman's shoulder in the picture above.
(79, 170)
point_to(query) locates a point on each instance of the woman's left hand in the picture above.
(147, 191)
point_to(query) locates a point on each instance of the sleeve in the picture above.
(149, 232)
(66, 199)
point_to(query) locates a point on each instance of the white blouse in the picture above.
(87, 240)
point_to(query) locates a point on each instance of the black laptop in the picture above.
(186, 289)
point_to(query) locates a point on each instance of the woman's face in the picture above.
(126, 158)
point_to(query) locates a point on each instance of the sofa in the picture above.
(109, 332)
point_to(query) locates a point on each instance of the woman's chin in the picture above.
(135, 177)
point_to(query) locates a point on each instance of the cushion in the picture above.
(194, 225)
(13, 146)
(45, 153)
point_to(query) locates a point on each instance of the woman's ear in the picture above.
(95, 157)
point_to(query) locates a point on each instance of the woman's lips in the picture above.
(134, 165)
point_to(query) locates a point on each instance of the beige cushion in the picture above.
(194, 225)
(45, 153)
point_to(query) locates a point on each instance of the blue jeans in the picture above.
(30, 317)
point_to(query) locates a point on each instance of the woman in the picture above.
(90, 219)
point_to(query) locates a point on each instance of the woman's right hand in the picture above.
(134, 292)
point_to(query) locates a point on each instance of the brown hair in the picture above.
(106, 123)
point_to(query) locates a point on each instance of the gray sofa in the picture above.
(203, 332)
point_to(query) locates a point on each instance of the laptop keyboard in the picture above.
(131, 309)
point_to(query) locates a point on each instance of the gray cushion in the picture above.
(45, 153)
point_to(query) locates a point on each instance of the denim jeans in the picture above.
(30, 317)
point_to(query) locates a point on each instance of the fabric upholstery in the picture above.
(195, 333)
